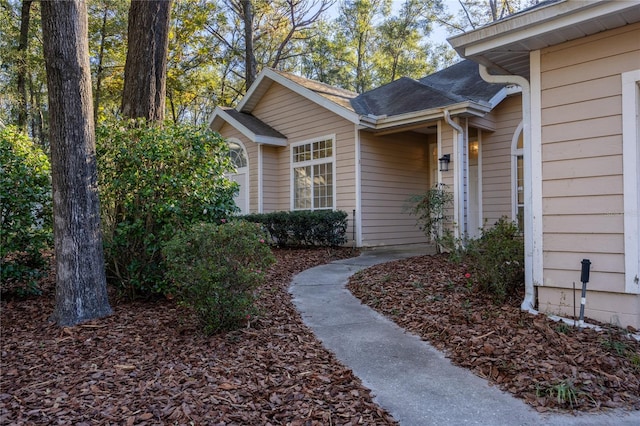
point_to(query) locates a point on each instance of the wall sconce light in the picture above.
(444, 162)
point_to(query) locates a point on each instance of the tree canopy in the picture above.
(216, 48)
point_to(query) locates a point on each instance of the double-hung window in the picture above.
(313, 174)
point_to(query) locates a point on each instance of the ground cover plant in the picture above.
(149, 364)
(550, 365)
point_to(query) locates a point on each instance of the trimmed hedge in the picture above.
(303, 227)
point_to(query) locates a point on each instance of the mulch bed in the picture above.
(550, 365)
(148, 364)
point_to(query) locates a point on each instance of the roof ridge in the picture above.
(293, 77)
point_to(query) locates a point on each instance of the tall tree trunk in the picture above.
(249, 56)
(81, 288)
(145, 70)
(103, 36)
(23, 45)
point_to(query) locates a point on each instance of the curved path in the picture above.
(407, 376)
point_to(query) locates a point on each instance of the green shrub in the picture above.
(498, 259)
(432, 212)
(304, 227)
(215, 270)
(25, 211)
(154, 181)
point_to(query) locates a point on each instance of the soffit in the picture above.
(504, 46)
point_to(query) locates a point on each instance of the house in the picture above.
(578, 63)
(539, 123)
(312, 146)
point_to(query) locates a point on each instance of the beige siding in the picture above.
(582, 172)
(301, 120)
(497, 184)
(394, 167)
(273, 196)
(612, 308)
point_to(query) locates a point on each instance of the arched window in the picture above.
(517, 155)
(239, 158)
(237, 154)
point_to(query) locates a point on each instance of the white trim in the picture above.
(535, 165)
(358, 181)
(423, 116)
(260, 182)
(311, 163)
(258, 89)
(246, 171)
(631, 177)
(221, 114)
(515, 153)
(534, 25)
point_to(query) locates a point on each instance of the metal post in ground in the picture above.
(584, 277)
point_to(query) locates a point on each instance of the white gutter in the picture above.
(458, 177)
(529, 298)
(383, 122)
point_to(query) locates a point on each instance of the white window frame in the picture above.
(326, 160)
(242, 170)
(631, 178)
(515, 153)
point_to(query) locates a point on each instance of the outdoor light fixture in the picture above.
(444, 162)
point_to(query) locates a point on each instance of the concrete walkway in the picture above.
(407, 376)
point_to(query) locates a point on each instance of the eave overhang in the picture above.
(220, 116)
(409, 121)
(504, 46)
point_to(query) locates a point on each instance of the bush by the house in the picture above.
(498, 259)
(304, 228)
(432, 210)
(215, 270)
(154, 181)
(25, 211)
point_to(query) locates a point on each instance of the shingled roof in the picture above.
(336, 95)
(458, 83)
(253, 124)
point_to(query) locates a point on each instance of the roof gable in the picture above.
(332, 98)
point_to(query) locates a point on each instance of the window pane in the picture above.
(322, 149)
(520, 192)
(521, 141)
(237, 155)
(521, 218)
(323, 186)
(301, 153)
(520, 180)
(302, 188)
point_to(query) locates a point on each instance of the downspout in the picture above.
(528, 302)
(458, 176)
(358, 182)
(260, 194)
